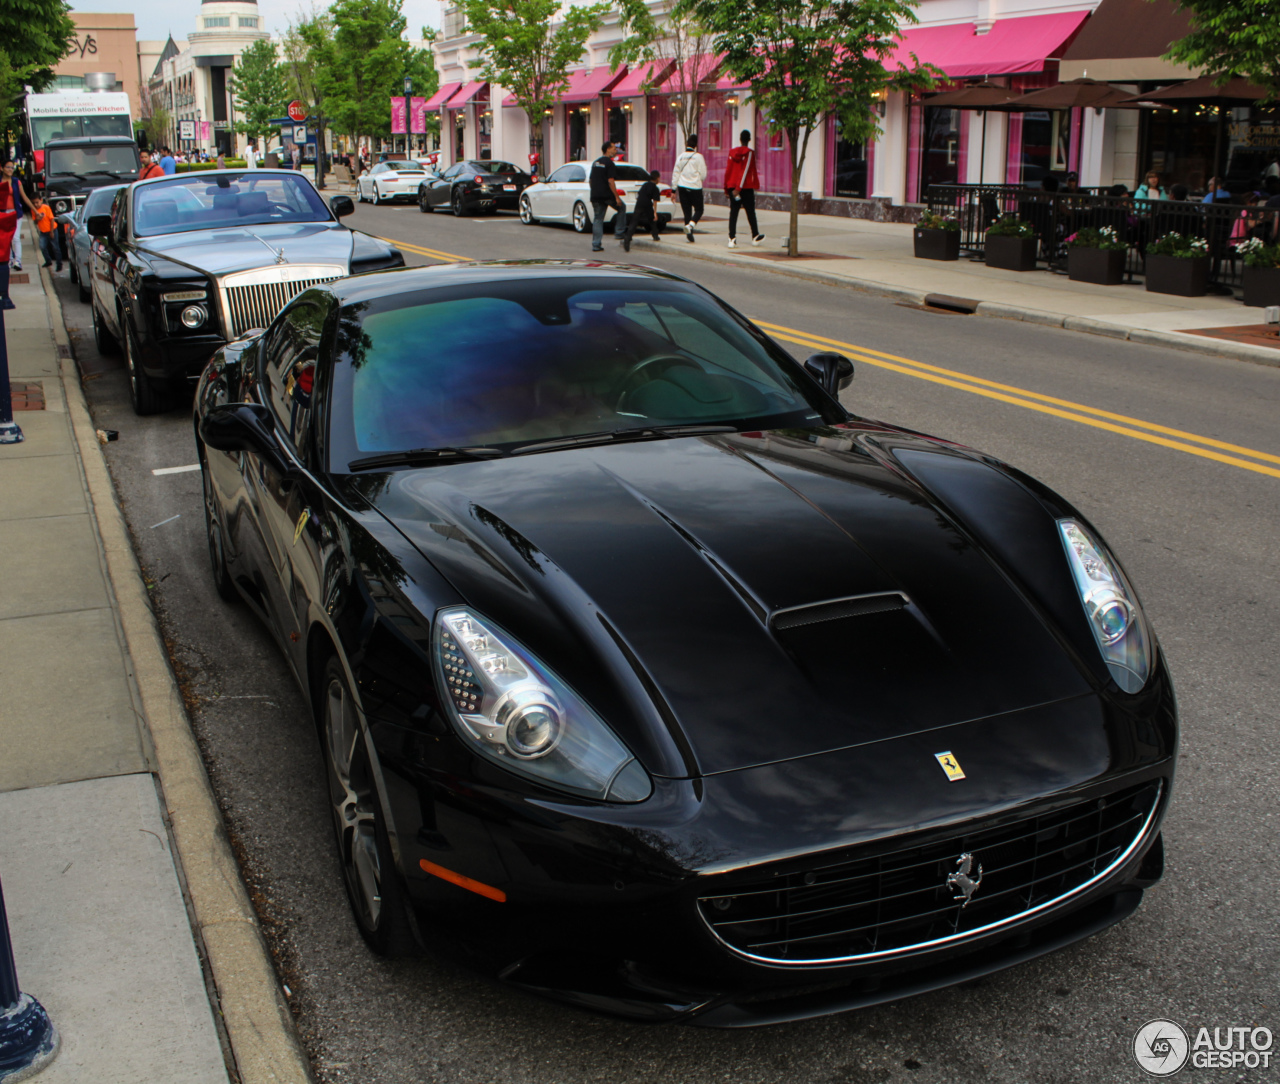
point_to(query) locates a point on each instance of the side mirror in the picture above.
(341, 206)
(833, 371)
(244, 427)
(98, 225)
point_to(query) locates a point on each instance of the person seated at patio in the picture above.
(1271, 189)
(1217, 191)
(1048, 183)
(1179, 193)
(1151, 188)
(1072, 183)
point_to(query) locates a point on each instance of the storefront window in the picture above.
(715, 135)
(618, 126)
(849, 165)
(577, 134)
(935, 147)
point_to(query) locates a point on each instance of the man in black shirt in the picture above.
(646, 212)
(604, 195)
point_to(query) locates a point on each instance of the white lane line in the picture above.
(176, 470)
(164, 521)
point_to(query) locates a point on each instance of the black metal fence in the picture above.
(1056, 216)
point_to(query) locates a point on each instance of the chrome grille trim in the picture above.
(250, 299)
(1140, 837)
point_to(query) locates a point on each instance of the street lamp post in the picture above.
(408, 118)
(28, 1039)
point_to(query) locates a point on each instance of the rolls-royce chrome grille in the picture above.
(931, 895)
(254, 298)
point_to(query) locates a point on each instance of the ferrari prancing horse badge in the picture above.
(951, 766)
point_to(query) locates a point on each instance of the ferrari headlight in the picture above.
(518, 713)
(1113, 612)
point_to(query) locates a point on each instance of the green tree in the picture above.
(12, 81)
(524, 51)
(1233, 38)
(674, 40)
(261, 93)
(36, 34)
(364, 63)
(807, 60)
(157, 121)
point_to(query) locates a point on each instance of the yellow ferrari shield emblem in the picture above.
(302, 522)
(951, 766)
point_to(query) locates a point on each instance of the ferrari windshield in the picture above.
(198, 201)
(518, 363)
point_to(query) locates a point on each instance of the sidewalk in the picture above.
(129, 920)
(877, 257)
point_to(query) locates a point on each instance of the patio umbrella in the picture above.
(981, 97)
(1075, 94)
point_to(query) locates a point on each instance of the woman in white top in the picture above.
(687, 175)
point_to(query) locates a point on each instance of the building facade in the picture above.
(108, 43)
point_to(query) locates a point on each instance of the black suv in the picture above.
(74, 167)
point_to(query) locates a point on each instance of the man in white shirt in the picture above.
(251, 157)
(687, 175)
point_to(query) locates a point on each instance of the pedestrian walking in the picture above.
(251, 156)
(222, 160)
(10, 202)
(48, 230)
(688, 175)
(296, 156)
(167, 162)
(646, 212)
(604, 194)
(17, 189)
(149, 168)
(740, 184)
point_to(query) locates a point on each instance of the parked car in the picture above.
(188, 263)
(75, 167)
(565, 196)
(654, 677)
(391, 181)
(79, 243)
(479, 185)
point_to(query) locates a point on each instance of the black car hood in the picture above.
(233, 248)
(688, 548)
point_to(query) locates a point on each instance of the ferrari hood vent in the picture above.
(836, 609)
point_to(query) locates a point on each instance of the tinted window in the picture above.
(405, 167)
(98, 202)
(47, 128)
(116, 160)
(569, 173)
(495, 167)
(191, 202)
(288, 366)
(381, 167)
(516, 362)
(631, 173)
(453, 171)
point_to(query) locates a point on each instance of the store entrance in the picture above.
(939, 147)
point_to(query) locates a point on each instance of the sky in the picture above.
(157, 19)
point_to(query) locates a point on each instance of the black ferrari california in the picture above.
(651, 679)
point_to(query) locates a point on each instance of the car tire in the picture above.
(459, 208)
(102, 338)
(147, 396)
(375, 892)
(526, 211)
(424, 205)
(581, 217)
(377, 196)
(215, 534)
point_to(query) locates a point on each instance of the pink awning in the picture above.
(467, 93)
(584, 87)
(632, 85)
(1009, 47)
(442, 95)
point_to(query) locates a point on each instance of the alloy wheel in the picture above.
(458, 209)
(581, 220)
(526, 211)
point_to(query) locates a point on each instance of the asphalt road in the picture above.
(1198, 534)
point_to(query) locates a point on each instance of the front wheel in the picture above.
(424, 205)
(458, 209)
(581, 218)
(374, 891)
(526, 211)
(377, 197)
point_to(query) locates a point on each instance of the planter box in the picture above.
(1261, 286)
(1187, 277)
(937, 244)
(1011, 253)
(1101, 266)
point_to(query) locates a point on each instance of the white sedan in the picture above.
(565, 196)
(391, 181)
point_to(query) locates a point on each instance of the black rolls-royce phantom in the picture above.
(191, 262)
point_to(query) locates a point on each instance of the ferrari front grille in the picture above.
(932, 894)
(253, 299)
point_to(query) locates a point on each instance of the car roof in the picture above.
(197, 174)
(376, 284)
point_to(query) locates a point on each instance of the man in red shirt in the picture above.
(149, 168)
(740, 184)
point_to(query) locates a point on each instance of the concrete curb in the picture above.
(258, 1023)
(1195, 344)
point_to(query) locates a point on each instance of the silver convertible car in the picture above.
(565, 196)
(391, 181)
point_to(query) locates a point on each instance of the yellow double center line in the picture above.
(1192, 443)
(430, 253)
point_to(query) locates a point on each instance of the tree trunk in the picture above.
(798, 151)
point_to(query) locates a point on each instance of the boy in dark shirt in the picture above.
(646, 213)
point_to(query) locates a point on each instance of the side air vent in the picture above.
(836, 609)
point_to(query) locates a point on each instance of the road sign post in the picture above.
(28, 1039)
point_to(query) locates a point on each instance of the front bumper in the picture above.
(602, 902)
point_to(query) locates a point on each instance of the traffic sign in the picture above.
(186, 129)
(297, 111)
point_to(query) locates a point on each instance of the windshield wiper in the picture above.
(611, 436)
(421, 455)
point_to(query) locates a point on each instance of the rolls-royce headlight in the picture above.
(1109, 603)
(515, 711)
(193, 316)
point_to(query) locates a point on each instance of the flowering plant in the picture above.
(1257, 253)
(1095, 237)
(1177, 244)
(1011, 226)
(931, 221)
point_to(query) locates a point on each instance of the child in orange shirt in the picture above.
(43, 219)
